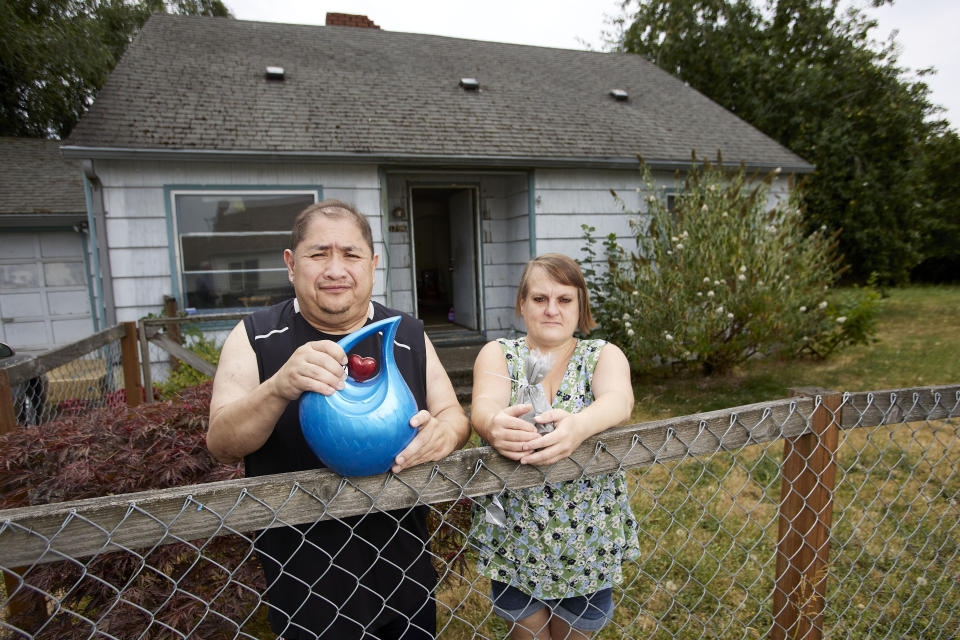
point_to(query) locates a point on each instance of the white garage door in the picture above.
(44, 301)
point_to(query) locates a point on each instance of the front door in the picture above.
(445, 256)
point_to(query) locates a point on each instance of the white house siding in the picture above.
(139, 246)
(506, 249)
(566, 199)
(136, 214)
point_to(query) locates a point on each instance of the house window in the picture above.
(672, 202)
(230, 245)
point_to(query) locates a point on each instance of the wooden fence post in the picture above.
(173, 329)
(806, 515)
(130, 356)
(26, 610)
(8, 414)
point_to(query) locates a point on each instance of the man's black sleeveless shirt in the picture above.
(337, 578)
(276, 332)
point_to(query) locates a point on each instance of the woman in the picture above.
(553, 565)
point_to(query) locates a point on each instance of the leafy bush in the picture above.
(183, 375)
(718, 279)
(117, 450)
(851, 319)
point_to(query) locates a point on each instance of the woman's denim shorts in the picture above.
(585, 613)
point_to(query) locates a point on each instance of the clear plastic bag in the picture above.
(537, 365)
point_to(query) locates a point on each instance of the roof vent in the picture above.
(619, 95)
(274, 73)
(470, 84)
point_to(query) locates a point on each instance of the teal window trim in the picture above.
(532, 212)
(170, 191)
(385, 235)
(482, 276)
(97, 311)
(86, 272)
(668, 193)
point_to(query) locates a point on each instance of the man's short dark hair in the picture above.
(330, 209)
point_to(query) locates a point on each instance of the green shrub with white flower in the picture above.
(852, 319)
(721, 278)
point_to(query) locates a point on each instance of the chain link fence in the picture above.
(820, 515)
(64, 381)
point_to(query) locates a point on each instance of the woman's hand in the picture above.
(508, 434)
(566, 436)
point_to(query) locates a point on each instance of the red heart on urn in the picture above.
(361, 368)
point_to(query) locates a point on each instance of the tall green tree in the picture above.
(941, 256)
(811, 76)
(56, 54)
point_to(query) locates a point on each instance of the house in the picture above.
(46, 293)
(468, 157)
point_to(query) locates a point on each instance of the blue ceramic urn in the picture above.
(359, 430)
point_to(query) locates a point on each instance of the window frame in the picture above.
(177, 275)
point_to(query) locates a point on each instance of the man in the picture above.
(362, 577)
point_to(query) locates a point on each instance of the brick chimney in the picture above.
(349, 20)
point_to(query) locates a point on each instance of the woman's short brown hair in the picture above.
(566, 271)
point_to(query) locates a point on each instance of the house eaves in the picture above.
(403, 160)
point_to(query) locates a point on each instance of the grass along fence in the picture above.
(849, 527)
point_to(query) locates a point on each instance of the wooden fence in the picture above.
(809, 425)
(36, 367)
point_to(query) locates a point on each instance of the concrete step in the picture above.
(458, 363)
(463, 394)
(453, 336)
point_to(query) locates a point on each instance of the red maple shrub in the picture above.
(203, 589)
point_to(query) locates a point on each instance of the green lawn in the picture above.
(709, 526)
(918, 344)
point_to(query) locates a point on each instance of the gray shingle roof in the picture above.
(35, 179)
(199, 84)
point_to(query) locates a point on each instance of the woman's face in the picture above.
(550, 310)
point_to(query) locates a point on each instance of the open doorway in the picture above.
(445, 256)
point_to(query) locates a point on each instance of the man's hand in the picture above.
(442, 426)
(315, 366)
(432, 442)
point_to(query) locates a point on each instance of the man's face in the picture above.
(332, 274)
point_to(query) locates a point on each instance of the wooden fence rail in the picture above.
(44, 362)
(247, 504)
(809, 424)
(35, 367)
(165, 333)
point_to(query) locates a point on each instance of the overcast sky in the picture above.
(927, 28)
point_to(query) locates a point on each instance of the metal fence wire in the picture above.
(69, 380)
(833, 515)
